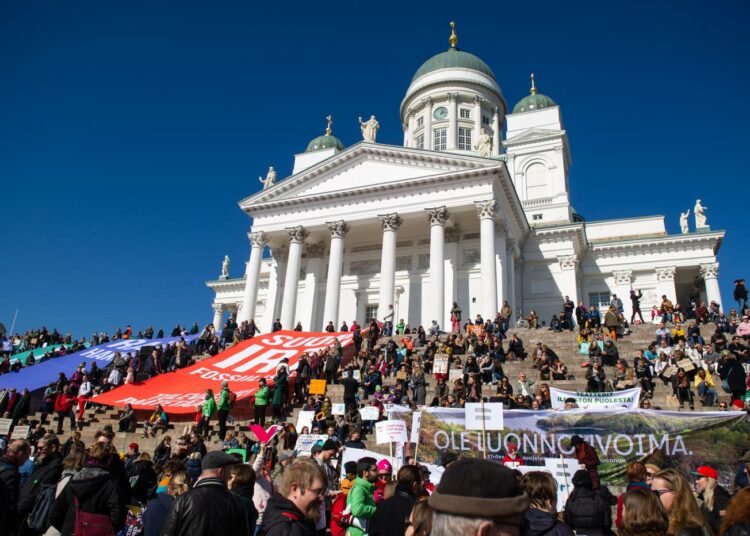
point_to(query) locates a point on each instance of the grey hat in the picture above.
(216, 459)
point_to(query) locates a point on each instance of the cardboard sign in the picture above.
(455, 374)
(686, 364)
(20, 432)
(305, 443)
(338, 409)
(484, 416)
(5, 426)
(440, 364)
(390, 432)
(317, 387)
(305, 418)
(369, 413)
(401, 375)
(476, 330)
(357, 375)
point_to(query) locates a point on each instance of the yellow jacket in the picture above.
(709, 381)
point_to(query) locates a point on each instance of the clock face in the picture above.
(440, 113)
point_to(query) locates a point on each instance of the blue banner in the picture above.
(42, 374)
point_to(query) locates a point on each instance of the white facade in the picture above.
(351, 232)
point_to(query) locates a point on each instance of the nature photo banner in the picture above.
(42, 374)
(666, 438)
(242, 365)
(627, 398)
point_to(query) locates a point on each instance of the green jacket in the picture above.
(261, 396)
(224, 400)
(209, 407)
(361, 503)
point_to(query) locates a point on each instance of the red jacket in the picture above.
(64, 402)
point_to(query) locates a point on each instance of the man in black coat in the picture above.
(15, 456)
(48, 461)
(392, 513)
(209, 508)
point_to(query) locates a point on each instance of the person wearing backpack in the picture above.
(92, 498)
(226, 401)
(37, 495)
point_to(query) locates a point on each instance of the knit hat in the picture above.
(384, 466)
(479, 488)
(133, 446)
(582, 479)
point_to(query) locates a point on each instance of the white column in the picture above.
(258, 241)
(665, 284)
(218, 313)
(390, 223)
(308, 310)
(511, 291)
(501, 232)
(428, 124)
(297, 236)
(477, 120)
(710, 274)
(437, 218)
(623, 282)
(338, 231)
(496, 133)
(569, 281)
(410, 128)
(451, 273)
(486, 213)
(452, 134)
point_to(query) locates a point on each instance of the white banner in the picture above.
(305, 443)
(369, 413)
(627, 399)
(305, 418)
(390, 432)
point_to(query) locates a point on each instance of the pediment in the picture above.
(364, 166)
(534, 134)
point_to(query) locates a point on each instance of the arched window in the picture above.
(537, 181)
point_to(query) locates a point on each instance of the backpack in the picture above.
(232, 399)
(39, 515)
(88, 524)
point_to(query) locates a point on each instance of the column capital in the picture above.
(217, 307)
(478, 100)
(437, 215)
(258, 239)
(665, 273)
(568, 262)
(623, 277)
(390, 222)
(486, 209)
(452, 96)
(710, 270)
(428, 102)
(452, 234)
(297, 234)
(315, 251)
(338, 229)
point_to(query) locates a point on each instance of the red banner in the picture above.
(242, 365)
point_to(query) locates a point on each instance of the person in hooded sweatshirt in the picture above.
(541, 489)
(242, 484)
(97, 491)
(289, 513)
(157, 509)
(585, 510)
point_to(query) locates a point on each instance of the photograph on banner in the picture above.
(440, 364)
(627, 398)
(682, 440)
(390, 432)
(484, 416)
(369, 413)
(317, 387)
(305, 418)
(305, 443)
(338, 409)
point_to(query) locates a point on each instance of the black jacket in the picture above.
(208, 509)
(721, 501)
(540, 523)
(9, 476)
(48, 473)
(98, 492)
(391, 514)
(143, 480)
(283, 518)
(586, 512)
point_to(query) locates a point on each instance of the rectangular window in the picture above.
(464, 139)
(537, 217)
(600, 299)
(420, 141)
(440, 139)
(485, 120)
(420, 121)
(465, 114)
(371, 313)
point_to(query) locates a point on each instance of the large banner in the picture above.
(241, 365)
(42, 374)
(666, 438)
(627, 398)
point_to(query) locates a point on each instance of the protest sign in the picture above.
(440, 364)
(455, 374)
(686, 364)
(484, 416)
(369, 413)
(305, 443)
(401, 375)
(390, 432)
(338, 409)
(317, 387)
(305, 418)
(20, 432)
(416, 423)
(561, 469)
(5, 426)
(243, 365)
(627, 398)
(264, 436)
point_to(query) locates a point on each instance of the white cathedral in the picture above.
(459, 213)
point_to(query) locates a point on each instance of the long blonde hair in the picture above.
(708, 493)
(685, 511)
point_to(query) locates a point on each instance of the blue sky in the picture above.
(130, 130)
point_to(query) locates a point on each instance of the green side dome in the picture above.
(324, 142)
(453, 59)
(534, 101)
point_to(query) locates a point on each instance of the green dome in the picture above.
(326, 141)
(453, 59)
(532, 103)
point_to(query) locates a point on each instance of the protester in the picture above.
(642, 514)
(636, 474)
(157, 509)
(289, 513)
(736, 521)
(209, 508)
(241, 484)
(585, 510)
(261, 402)
(420, 520)
(586, 455)
(685, 517)
(15, 456)
(712, 497)
(391, 513)
(541, 488)
(48, 469)
(478, 497)
(360, 501)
